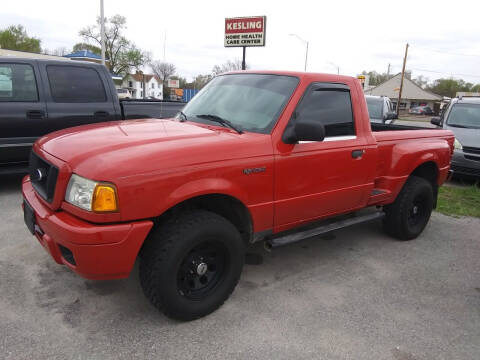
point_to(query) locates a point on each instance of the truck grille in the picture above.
(43, 176)
(471, 150)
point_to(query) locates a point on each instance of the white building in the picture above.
(136, 82)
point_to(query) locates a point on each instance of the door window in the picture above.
(17, 83)
(332, 107)
(75, 84)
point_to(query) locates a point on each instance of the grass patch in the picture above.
(453, 200)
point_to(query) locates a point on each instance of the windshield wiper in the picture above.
(219, 120)
(456, 125)
(184, 116)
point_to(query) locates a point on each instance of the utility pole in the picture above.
(102, 31)
(388, 71)
(401, 80)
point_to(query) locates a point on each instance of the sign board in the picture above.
(364, 81)
(173, 83)
(246, 31)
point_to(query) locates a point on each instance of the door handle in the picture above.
(101, 114)
(35, 114)
(357, 153)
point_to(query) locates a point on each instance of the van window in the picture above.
(17, 83)
(75, 84)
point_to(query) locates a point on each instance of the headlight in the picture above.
(91, 195)
(457, 145)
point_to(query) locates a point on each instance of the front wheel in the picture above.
(191, 265)
(408, 215)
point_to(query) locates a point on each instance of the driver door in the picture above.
(317, 179)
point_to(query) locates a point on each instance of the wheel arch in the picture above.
(429, 171)
(225, 205)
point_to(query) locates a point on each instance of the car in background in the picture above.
(380, 109)
(124, 94)
(421, 110)
(462, 117)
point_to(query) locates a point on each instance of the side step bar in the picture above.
(322, 229)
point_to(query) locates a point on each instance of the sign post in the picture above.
(244, 32)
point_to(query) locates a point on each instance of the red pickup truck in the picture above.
(255, 156)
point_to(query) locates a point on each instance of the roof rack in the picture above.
(468, 96)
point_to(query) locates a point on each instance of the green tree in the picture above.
(86, 46)
(449, 87)
(421, 81)
(122, 54)
(16, 38)
(377, 78)
(201, 80)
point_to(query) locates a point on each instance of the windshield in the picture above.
(375, 108)
(250, 102)
(465, 115)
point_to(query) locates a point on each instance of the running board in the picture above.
(322, 229)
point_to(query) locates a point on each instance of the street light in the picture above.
(306, 50)
(338, 67)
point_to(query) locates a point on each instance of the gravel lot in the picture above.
(356, 294)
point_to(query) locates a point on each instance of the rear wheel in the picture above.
(191, 265)
(407, 217)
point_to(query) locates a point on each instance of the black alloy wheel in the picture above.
(202, 269)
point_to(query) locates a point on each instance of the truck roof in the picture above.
(49, 61)
(299, 74)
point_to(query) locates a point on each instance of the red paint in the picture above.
(156, 164)
(244, 25)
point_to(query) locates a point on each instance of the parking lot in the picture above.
(355, 294)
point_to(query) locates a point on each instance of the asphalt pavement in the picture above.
(355, 294)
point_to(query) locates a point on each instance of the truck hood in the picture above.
(123, 148)
(467, 137)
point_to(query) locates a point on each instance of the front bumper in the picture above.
(462, 166)
(93, 251)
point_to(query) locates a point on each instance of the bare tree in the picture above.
(228, 66)
(163, 70)
(121, 53)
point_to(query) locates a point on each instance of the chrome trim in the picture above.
(332, 138)
(16, 145)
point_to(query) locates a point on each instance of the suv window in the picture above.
(74, 84)
(17, 83)
(332, 107)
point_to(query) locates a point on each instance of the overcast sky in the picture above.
(354, 35)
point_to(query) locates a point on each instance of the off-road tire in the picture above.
(163, 262)
(408, 215)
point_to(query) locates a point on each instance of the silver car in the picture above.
(462, 117)
(380, 109)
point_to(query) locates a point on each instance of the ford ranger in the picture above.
(256, 156)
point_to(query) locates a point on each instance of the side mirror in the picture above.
(391, 115)
(309, 131)
(436, 120)
(304, 130)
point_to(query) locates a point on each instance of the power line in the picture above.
(445, 52)
(445, 73)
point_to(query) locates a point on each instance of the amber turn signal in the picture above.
(104, 198)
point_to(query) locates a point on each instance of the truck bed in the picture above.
(394, 127)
